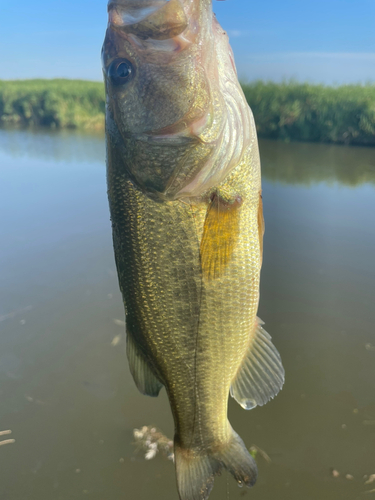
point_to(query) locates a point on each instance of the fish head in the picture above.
(173, 95)
(153, 79)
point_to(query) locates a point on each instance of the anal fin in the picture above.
(261, 375)
(143, 375)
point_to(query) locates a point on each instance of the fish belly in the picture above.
(193, 330)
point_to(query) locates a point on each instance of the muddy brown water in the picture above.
(65, 389)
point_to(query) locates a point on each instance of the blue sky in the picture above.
(328, 41)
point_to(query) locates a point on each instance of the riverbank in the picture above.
(316, 113)
(287, 111)
(52, 103)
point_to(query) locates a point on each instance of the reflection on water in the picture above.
(296, 163)
(65, 388)
(53, 145)
(306, 163)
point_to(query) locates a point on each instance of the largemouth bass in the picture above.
(184, 190)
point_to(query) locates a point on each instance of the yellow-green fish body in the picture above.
(187, 231)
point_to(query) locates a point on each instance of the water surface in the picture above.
(65, 388)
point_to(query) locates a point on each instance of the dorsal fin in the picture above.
(220, 234)
(261, 375)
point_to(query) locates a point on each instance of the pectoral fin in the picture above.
(143, 376)
(220, 234)
(261, 375)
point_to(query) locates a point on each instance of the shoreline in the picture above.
(288, 111)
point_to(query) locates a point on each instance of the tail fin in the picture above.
(196, 470)
(195, 474)
(238, 461)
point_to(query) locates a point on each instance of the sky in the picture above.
(320, 41)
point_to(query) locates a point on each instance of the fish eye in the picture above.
(120, 71)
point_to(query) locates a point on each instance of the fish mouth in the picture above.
(180, 132)
(133, 11)
(155, 19)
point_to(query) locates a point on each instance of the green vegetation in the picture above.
(287, 111)
(52, 103)
(303, 112)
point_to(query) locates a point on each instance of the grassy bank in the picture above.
(288, 111)
(303, 112)
(52, 103)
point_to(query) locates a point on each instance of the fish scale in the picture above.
(184, 190)
(157, 255)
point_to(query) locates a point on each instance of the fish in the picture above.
(184, 190)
